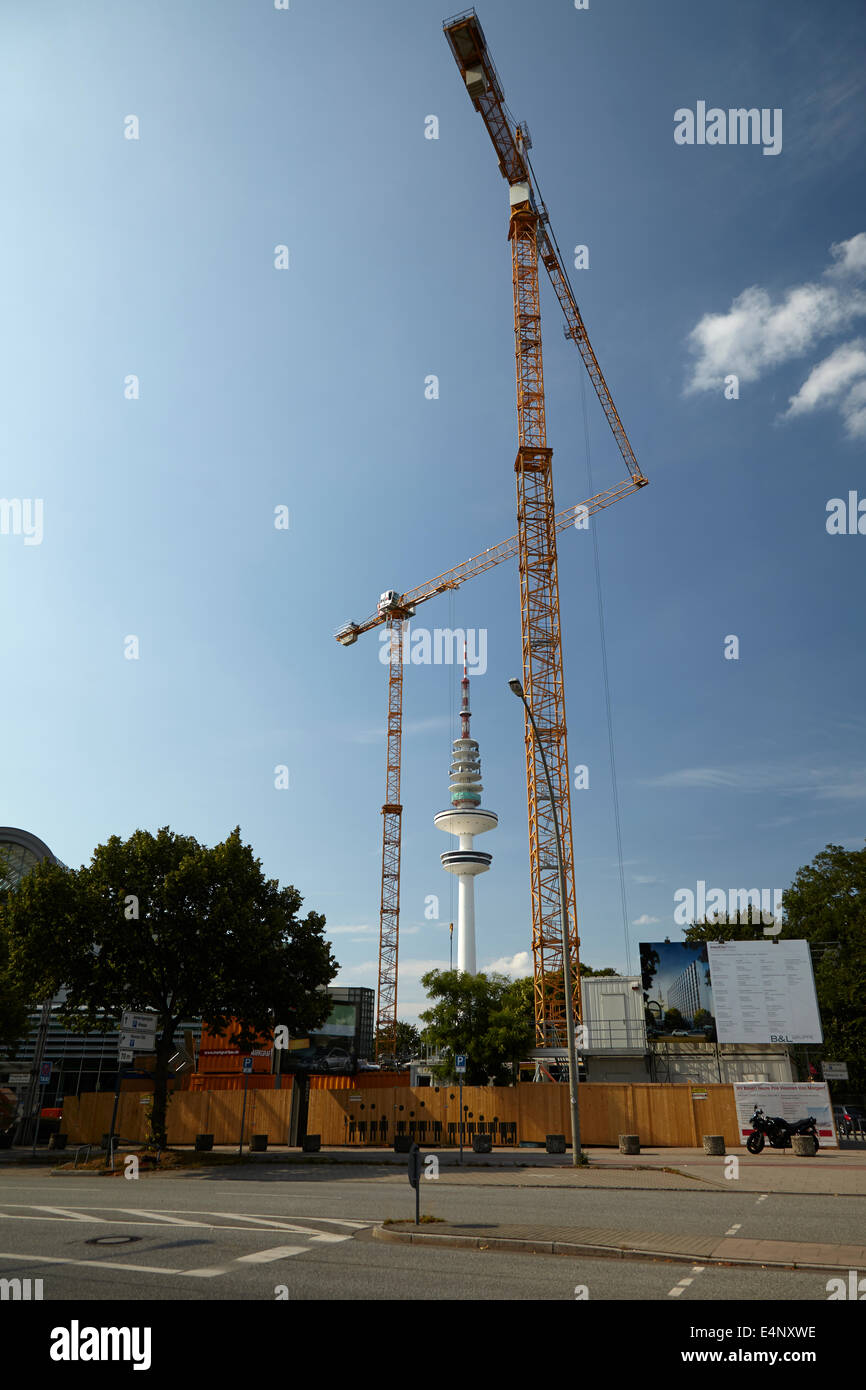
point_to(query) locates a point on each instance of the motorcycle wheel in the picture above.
(755, 1143)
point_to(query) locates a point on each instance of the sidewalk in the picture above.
(600, 1242)
(831, 1172)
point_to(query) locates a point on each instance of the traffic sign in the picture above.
(460, 1063)
(19, 1078)
(416, 1161)
(248, 1065)
(125, 1054)
(44, 1073)
(835, 1071)
(132, 1022)
(140, 1042)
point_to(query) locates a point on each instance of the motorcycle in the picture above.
(778, 1131)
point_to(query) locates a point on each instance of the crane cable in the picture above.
(610, 739)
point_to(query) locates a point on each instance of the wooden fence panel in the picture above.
(661, 1114)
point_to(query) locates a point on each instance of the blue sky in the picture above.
(305, 388)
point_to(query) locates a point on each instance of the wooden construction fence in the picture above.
(662, 1115)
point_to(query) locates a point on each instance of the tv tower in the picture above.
(466, 819)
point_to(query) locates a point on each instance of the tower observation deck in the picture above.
(466, 818)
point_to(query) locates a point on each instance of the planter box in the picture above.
(258, 1143)
(311, 1143)
(402, 1143)
(714, 1145)
(482, 1144)
(629, 1143)
(203, 1143)
(555, 1143)
(58, 1141)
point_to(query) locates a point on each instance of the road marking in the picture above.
(63, 1211)
(674, 1293)
(155, 1219)
(273, 1225)
(734, 1229)
(279, 1252)
(763, 1197)
(159, 1216)
(89, 1264)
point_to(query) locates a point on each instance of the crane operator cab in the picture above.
(388, 602)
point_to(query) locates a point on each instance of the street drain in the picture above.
(112, 1240)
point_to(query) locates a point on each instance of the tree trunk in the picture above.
(157, 1136)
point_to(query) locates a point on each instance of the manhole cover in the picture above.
(112, 1240)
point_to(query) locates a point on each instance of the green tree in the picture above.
(588, 970)
(14, 1004)
(674, 1019)
(164, 923)
(408, 1041)
(487, 1017)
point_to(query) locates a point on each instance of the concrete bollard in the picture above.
(804, 1145)
(714, 1145)
(629, 1143)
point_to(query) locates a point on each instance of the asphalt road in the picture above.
(306, 1234)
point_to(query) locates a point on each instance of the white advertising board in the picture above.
(791, 1100)
(763, 992)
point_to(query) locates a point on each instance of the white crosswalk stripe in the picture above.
(279, 1252)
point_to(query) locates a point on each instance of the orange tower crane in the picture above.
(395, 610)
(530, 236)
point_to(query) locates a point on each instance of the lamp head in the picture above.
(514, 684)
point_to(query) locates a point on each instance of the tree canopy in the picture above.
(486, 1017)
(161, 922)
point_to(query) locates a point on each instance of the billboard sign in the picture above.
(792, 1101)
(764, 992)
(755, 992)
(676, 988)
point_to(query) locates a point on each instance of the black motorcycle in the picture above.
(778, 1131)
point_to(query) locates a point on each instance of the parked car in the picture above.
(850, 1119)
(680, 1033)
(368, 1066)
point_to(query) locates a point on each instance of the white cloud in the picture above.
(758, 334)
(825, 783)
(850, 257)
(645, 921)
(517, 966)
(839, 379)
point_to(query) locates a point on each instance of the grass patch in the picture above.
(425, 1220)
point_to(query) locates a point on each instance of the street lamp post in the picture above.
(517, 688)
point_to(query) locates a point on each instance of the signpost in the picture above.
(248, 1066)
(460, 1068)
(416, 1161)
(137, 1035)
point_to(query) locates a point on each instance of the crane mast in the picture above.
(541, 636)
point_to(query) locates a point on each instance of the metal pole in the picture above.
(460, 1118)
(517, 688)
(243, 1114)
(114, 1117)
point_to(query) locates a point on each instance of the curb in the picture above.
(563, 1247)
